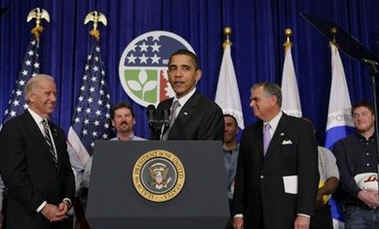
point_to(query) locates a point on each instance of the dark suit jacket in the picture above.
(199, 119)
(259, 188)
(29, 172)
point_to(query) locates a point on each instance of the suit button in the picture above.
(262, 176)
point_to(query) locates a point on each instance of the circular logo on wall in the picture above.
(143, 66)
(158, 175)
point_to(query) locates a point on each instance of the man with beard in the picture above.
(192, 115)
(357, 160)
(123, 120)
(230, 148)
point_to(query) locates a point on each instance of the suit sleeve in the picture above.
(68, 175)
(307, 162)
(212, 127)
(14, 170)
(239, 201)
(347, 181)
(2, 187)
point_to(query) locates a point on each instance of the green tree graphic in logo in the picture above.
(143, 83)
(143, 66)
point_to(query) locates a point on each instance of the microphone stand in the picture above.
(165, 124)
(159, 126)
(162, 131)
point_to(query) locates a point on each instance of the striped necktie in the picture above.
(49, 141)
(173, 113)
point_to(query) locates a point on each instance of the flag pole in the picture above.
(95, 17)
(291, 104)
(227, 92)
(227, 33)
(287, 43)
(39, 15)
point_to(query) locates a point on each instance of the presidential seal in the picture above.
(158, 175)
(143, 66)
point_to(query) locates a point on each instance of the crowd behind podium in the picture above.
(276, 175)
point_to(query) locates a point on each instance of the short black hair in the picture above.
(232, 116)
(363, 103)
(186, 52)
(121, 105)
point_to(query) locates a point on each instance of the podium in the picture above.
(114, 202)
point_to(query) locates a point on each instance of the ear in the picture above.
(198, 74)
(113, 123)
(274, 100)
(31, 97)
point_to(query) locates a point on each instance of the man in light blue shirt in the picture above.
(230, 148)
(123, 120)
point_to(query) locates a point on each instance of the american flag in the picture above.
(91, 119)
(30, 67)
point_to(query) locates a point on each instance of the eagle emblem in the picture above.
(159, 175)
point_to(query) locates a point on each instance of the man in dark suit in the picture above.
(192, 116)
(277, 172)
(34, 163)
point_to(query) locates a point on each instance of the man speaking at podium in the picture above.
(192, 116)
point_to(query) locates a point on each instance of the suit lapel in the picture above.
(185, 113)
(259, 135)
(35, 130)
(33, 127)
(188, 109)
(276, 140)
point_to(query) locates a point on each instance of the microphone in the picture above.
(165, 123)
(166, 117)
(150, 114)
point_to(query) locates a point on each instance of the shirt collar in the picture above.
(130, 137)
(37, 118)
(275, 121)
(362, 138)
(183, 100)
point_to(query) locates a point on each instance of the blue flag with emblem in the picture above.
(340, 123)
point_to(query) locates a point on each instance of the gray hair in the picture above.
(270, 89)
(33, 83)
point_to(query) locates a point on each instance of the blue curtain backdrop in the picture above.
(257, 51)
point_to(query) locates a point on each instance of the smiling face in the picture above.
(364, 120)
(230, 129)
(182, 74)
(263, 104)
(123, 120)
(43, 97)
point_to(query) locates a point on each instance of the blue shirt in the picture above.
(230, 162)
